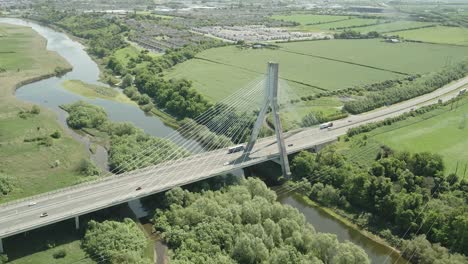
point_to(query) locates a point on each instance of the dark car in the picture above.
(139, 188)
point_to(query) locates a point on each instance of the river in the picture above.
(50, 93)
(325, 223)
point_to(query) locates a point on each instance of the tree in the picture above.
(239, 224)
(303, 165)
(85, 115)
(88, 168)
(112, 242)
(127, 81)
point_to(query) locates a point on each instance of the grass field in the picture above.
(305, 19)
(393, 26)
(407, 57)
(439, 131)
(335, 26)
(29, 164)
(439, 34)
(95, 91)
(219, 72)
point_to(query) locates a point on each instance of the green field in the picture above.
(305, 19)
(218, 72)
(30, 164)
(393, 26)
(407, 57)
(439, 34)
(439, 131)
(334, 26)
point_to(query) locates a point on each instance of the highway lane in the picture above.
(19, 217)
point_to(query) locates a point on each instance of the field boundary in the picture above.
(343, 61)
(250, 70)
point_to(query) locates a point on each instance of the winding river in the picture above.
(49, 93)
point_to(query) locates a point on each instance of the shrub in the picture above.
(35, 110)
(56, 134)
(59, 254)
(6, 185)
(88, 168)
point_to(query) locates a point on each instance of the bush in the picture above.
(6, 185)
(84, 115)
(59, 254)
(110, 239)
(88, 168)
(35, 110)
(56, 134)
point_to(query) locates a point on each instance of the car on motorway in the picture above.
(32, 203)
(138, 188)
(44, 214)
(290, 145)
(226, 163)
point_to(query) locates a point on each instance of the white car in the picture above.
(32, 203)
(44, 214)
(226, 163)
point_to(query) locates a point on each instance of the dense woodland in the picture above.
(126, 141)
(245, 224)
(391, 196)
(112, 242)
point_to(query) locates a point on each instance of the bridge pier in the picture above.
(1, 245)
(77, 222)
(271, 101)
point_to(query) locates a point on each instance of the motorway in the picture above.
(18, 217)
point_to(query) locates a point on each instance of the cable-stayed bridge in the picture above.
(205, 150)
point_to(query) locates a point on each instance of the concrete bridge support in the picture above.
(1, 245)
(271, 102)
(77, 222)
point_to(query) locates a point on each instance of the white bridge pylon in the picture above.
(271, 102)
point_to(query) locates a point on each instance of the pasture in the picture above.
(440, 131)
(305, 19)
(393, 26)
(314, 66)
(439, 34)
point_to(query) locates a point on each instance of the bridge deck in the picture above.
(18, 217)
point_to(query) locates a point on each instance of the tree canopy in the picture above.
(114, 242)
(245, 224)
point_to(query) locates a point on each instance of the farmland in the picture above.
(311, 67)
(440, 34)
(441, 131)
(394, 26)
(305, 19)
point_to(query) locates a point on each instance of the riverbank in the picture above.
(32, 166)
(326, 220)
(347, 222)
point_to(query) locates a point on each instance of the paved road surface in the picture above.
(70, 202)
